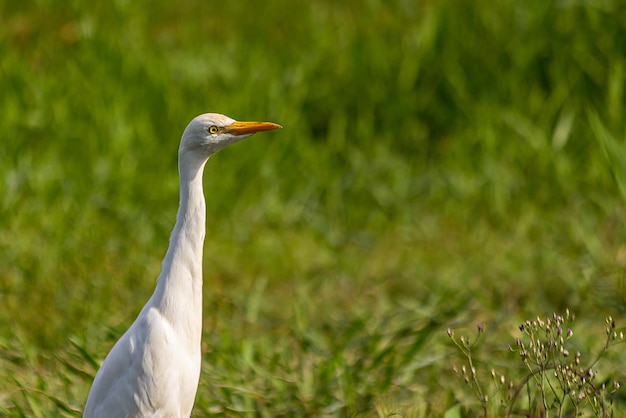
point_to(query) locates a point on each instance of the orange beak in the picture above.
(247, 128)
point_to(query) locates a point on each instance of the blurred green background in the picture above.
(442, 163)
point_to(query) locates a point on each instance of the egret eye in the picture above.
(213, 129)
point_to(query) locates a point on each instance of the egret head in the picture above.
(208, 133)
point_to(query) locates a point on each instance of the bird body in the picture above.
(154, 368)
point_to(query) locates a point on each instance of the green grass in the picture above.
(442, 164)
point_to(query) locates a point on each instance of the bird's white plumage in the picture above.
(154, 369)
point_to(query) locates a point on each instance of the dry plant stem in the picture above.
(466, 349)
(541, 358)
(524, 383)
(476, 385)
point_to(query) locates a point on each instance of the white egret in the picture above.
(154, 369)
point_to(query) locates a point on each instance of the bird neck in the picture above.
(178, 295)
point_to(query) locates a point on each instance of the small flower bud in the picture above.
(611, 321)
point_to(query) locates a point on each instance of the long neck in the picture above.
(178, 294)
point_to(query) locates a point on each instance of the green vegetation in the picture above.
(443, 164)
